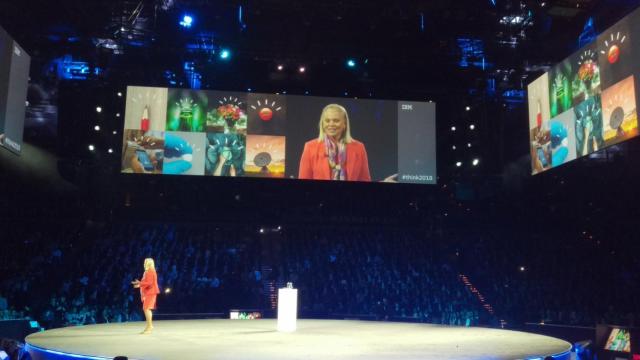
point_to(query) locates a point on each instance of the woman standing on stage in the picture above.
(149, 290)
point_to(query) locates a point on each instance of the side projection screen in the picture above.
(218, 133)
(14, 80)
(588, 101)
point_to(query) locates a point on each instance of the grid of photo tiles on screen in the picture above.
(193, 132)
(217, 133)
(588, 101)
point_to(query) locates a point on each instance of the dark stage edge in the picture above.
(313, 340)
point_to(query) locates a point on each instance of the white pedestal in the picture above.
(287, 309)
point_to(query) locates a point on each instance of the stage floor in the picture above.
(314, 340)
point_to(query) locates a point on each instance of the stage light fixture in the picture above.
(453, 128)
(280, 67)
(468, 108)
(96, 128)
(187, 21)
(522, 268)
(91, 147)
(472, 127)
(459, 163)
(99, 109)
(351, 63)
(468, 145)
(118, 115)
(225, 54)
(454, 147)
(167, 291)
(110, 151)
(119, 94)
(114, 132)
(249, 89)
(302, 69)
(476, 162)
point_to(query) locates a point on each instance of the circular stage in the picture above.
(314, 339)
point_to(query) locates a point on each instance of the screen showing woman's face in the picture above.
(334, 124)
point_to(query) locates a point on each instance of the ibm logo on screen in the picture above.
(408, 107)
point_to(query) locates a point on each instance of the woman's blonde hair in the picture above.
(347, 130)
(149, 264)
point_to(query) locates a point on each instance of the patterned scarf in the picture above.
(337, 153)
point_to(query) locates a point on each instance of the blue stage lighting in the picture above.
(225, 54)
(68, 69)
(351, 63)
(588, 34)
(187, 21)
(471, 53)
(243, 25)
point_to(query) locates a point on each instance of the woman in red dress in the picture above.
(334, 154)
(149, 290)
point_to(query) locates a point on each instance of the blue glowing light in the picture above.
(588, 34)
(471, 53)
(243, 25)
(170, 76)
(225, 54)
(69, 69)
(491, 86)
(351, 63)
(193, 77)
(187, 21)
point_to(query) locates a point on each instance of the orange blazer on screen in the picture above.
(314, 163)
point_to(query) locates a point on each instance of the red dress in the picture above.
(149, 289)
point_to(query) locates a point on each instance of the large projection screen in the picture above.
(588, 101)
(221, 133)
(14, 81)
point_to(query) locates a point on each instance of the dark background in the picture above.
(417, 137)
